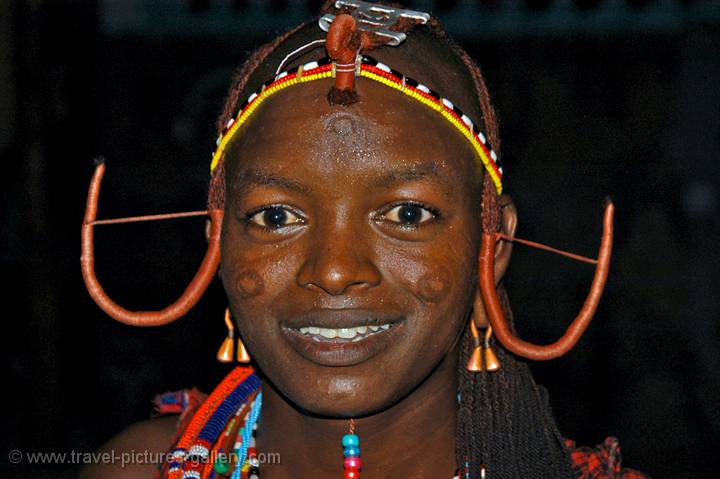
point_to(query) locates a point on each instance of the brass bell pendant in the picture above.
(226, 352)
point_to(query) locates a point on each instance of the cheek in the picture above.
(433, 287)
(248, 283)
(436, 277)
(253, 275)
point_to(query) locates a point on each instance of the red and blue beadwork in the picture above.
(351, 453)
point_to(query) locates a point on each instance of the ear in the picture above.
(503, 251)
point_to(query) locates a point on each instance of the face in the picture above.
(349, 245)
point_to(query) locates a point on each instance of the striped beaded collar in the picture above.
(366, 67)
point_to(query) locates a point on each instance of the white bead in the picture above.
(493, 155)
(383, 67)
(423, 88)
(310, 66)
(466, 119)
(447, 103)
(482, 138)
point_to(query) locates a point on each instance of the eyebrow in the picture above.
(249, 178)
(416, 173)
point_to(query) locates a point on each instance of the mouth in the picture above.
(355, 334)
(341, 337)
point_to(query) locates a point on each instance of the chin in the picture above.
(337, 392)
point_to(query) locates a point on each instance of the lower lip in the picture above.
(341, 352)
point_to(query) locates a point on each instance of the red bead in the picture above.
(351, 474)
(352, 462)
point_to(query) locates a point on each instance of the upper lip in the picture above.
(341, 318)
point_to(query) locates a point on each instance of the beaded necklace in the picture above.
(219, 442)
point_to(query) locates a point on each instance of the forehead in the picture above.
(298, 129)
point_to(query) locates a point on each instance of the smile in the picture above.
(342, 337)
(343, 334)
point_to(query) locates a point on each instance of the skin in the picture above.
(341, 175)
(342, 246)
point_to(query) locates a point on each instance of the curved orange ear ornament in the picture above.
(189, 297)
(574, 332)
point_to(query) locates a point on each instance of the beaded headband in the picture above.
(366, 67)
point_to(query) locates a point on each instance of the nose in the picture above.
(338, 261)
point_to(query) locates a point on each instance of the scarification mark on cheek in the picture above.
(433, 287)
(249, 284)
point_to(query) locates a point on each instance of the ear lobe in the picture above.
(508, 224)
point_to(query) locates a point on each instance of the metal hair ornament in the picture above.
(378, 19)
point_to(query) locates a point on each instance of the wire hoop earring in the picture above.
(193, 292)
(496, 315)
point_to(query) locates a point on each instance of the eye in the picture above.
(274, 217)
(409, 214)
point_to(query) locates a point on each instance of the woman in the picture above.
(349, 218)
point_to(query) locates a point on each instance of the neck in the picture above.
(413, 438)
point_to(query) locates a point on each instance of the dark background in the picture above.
(595, 98)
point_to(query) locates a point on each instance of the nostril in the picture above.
(336, 274)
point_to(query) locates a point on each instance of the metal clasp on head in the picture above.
(376, 18)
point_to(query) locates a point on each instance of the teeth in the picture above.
(348, 333)
(328, 333)
(356, 333)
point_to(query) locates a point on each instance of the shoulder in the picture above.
(601, 462)
(135, 452)
(140, 450)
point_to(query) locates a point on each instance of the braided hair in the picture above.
(504, 420)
